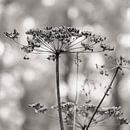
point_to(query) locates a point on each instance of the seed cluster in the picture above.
(83, 111)
(53, 40)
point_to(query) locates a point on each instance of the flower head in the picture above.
(59, 40)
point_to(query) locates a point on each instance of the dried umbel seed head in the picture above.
(52, 40)
(84, 113)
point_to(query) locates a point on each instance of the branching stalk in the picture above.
(58, 92)
(109, 87)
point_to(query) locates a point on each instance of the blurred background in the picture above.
(25, 82)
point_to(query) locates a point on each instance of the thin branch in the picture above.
(71, 45)
(84, 51)
(66, 46)
(46, 44)
(109, 87)
(39, 50)
(44, 47)
(101, 120)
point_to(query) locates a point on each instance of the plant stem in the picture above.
(109, 87)
(58, 92)
(76, 97)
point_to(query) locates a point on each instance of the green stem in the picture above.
(109, 87)
(58, 92)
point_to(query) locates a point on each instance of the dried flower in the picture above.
(60, 40)
(38, 108)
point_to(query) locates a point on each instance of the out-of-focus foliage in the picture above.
(24, 82)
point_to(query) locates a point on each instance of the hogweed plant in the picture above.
(55, 41)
